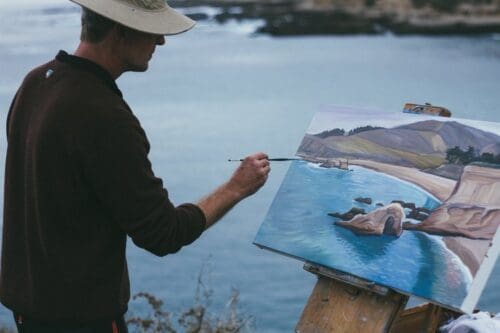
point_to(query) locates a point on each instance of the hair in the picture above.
(94, 26)
(148, 4)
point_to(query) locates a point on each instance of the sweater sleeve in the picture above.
(117, 167)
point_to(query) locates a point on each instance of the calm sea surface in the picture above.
(218, 92)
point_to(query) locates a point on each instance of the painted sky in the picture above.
(330, 117)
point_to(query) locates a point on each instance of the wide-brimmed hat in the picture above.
(151, 16)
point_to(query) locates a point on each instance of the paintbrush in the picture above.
(279, 159)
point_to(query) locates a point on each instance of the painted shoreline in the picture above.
(441, 188)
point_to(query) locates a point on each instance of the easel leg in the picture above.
(335, 306)
(425, 318)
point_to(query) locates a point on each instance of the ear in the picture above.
(119, 32)
(116, 39)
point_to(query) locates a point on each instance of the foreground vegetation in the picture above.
(199, 318)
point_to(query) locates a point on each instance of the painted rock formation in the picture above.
(367, 201)
(385, 220)
(472, 211)
(348, 215)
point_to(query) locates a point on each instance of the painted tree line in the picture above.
(456, 155)
(342, 132)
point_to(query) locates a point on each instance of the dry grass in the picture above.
(6, 330)
(197, 319)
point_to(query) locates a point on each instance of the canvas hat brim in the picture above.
(163, 21)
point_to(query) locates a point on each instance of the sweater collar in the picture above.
(91, 67)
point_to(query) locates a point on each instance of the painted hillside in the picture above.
(423, 145)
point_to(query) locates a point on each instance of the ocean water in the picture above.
(220, 92)
(298, 225)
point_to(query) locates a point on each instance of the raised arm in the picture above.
(246, 180)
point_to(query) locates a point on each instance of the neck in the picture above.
(101, 54)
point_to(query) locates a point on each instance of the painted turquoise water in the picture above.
(297, 224)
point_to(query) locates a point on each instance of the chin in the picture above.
(138, 67)
(141, 68)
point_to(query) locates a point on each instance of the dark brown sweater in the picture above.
(77, 182)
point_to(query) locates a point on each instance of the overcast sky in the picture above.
(27, 4)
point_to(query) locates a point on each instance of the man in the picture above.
(78, 179)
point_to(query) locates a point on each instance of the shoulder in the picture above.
(36, 75)
(83, 97)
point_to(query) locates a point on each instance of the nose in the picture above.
(160, 40)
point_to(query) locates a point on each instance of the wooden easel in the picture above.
(342, 303)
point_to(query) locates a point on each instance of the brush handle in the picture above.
(280, 159)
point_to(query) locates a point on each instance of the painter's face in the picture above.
(138, 49)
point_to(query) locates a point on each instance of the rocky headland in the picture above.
(319, 17)
(469, 219)
(386, 220)
(473, 209)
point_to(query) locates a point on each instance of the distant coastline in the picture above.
(344, 17)
(310, 17)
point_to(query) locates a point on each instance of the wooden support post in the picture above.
(425, 318)
(338, 306)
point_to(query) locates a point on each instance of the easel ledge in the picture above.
(342, 303)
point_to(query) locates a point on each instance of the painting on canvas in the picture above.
(411, 202)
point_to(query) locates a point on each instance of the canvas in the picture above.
(411, 202)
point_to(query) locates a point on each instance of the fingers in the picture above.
(261, 156)
(258, 156)
(259, 161)
(266, 171)
(260, 178)
(263, 170)
(251, 174)
(262, 163)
